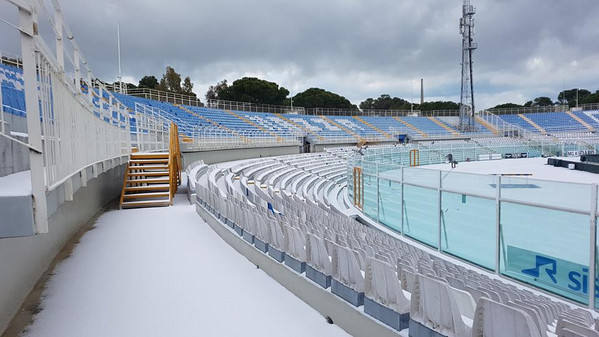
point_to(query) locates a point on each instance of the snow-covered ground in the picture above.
(164, 272)
(16, 184)
(537, 167)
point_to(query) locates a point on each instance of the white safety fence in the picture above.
(73, 121)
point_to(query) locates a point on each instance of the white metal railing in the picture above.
(152, 129)
(251, 107)
(164, 96)
(73, 122)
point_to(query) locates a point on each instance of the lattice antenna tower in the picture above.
(468, 46)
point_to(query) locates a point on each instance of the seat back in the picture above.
(493, 319)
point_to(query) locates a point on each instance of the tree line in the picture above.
(259, 91)
(571, 97)
(170, 82)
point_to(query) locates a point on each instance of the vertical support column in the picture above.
(28, 24)
(378, 197)
(59, 39)
(498, 225)
(439, 210)
(402, 199)
(593, 247)
(2, 115)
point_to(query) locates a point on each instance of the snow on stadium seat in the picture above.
(440, 310)
(278, 244)
(534, 315)
(493, 319)
(295, 255)
(262, 237)
(319, 267)
(406, 277)
(347, 281)
(249, 229)
(384, 298)
(569, 333)
(572, 326)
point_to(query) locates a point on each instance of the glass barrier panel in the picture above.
(370, 197)
(596, 265)
(468, 228)
(550, 193)
(483, 185)
(546, 248)
(423, 177)
(390, 204)
(421, 214)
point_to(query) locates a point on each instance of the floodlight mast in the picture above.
(468, 46)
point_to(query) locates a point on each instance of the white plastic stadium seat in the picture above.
(382, 285)
(493, 319)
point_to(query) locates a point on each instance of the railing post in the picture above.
(593, 247)
(439, 211)
(28, 24)
(498, 225)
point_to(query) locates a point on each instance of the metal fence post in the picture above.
(498, 225)
(38, 185)
(593, 246)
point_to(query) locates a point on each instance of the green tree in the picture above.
(507, 106)
(569, 96)
(215, 90)
(148, 82)
(384, 102)
(592, 98)
(187, 87)
(171, 80)
(542, 101)
(254, 90)
(320, 98)
(437, 105)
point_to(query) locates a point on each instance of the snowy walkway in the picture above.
(164, 272)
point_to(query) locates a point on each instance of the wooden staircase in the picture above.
(152, 178)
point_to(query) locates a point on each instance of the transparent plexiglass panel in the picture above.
(483, 185)
(419, 176)
(546, 248)
(390, 204)
(549, 193)
(468, 228)
(370, 197)
(421, 214)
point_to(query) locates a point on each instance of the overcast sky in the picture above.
(357, 48)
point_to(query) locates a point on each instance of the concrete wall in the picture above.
(321, 147)
(23, 260)
(219, 156)
(14, 157)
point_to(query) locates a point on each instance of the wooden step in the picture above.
(148, 174)
(148, 161)
(145, 203)
(148, 181)
(149, 167)
(147, 195)
(148, 155)
(155, 187)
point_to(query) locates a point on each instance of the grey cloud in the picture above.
(357, 48)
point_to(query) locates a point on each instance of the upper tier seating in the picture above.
(13, 95)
